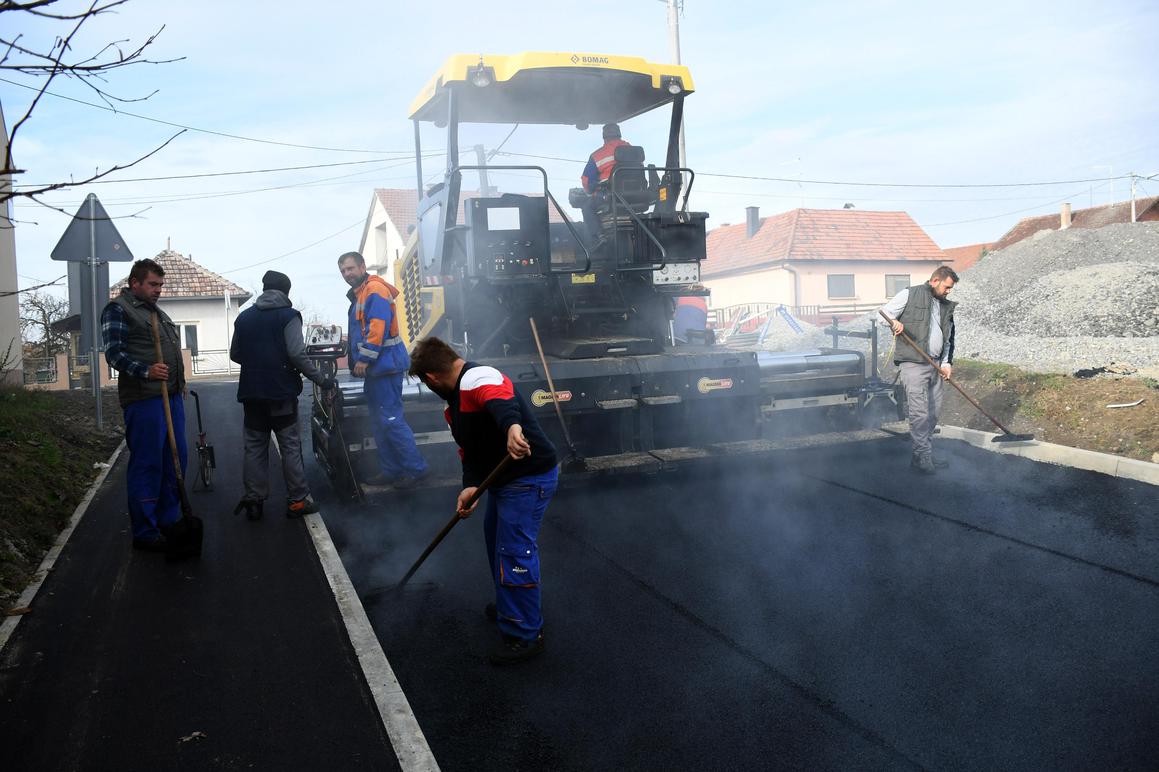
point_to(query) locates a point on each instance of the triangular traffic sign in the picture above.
(90, 221)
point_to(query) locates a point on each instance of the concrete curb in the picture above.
(406, 736)
(410, 745)
(8, 626)
(1047, 452)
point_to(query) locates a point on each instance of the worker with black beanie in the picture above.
(268, 344)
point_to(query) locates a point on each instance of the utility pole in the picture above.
(674, 49)
(481, 160)
(1133, 178)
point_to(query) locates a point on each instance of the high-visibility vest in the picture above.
(696, 301)
(605, 159)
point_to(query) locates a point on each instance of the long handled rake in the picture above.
(1007, 435)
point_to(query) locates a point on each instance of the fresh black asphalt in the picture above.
(818, 609)
(125, 655)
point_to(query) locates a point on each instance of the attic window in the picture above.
(840, 285)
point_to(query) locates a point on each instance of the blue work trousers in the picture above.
(511, 526)
(398, 455)
(154, 501)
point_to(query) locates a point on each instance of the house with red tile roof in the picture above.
(391, 221)
(201, 303)
(1146, 210)
(962, 258)
(818, 261)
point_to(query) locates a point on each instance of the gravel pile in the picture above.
(1072, 301)
(1064, 301)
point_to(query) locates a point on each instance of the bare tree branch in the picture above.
(56, 59)
(34, 193)
(38, 312)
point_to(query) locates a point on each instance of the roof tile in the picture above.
(187, 279)
(818, 234)
(1092, 217)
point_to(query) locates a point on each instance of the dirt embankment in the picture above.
(1062, 409)
(50, 447)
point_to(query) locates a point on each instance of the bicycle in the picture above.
(206, 462)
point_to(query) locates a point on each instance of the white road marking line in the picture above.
(406, 736)
(8, 626)
(410, 745)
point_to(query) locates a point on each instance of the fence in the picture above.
(209, 362)
(40, 370)
(750, 315)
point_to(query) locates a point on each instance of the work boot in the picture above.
(253, 508)
(922, 462)
(408, 482)
(306, 506)
(156, 544)
(512, 650)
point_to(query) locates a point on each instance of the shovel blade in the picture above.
(1013, 438)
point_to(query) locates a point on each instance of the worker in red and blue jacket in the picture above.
(378, 354)
(490, 421)
(599, 169)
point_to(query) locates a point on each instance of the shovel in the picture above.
(183, 538)
(1007, 435)
(454, 520)
(573, 460)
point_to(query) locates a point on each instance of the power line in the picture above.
(179, 197)
(227, 135)
(1005, 214)
(234, 173)
(357, 222)
(797, 181)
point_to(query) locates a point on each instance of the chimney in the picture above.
(752, 221)
(1065, 217)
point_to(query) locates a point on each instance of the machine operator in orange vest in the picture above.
(599, 169)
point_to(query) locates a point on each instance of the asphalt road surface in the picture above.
(819, 609)
(823, 609)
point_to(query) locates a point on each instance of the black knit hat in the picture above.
(273, 280)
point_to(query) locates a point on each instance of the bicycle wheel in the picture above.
(206, 468)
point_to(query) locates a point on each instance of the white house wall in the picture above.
(383, 243)
(772, 285)
(210, 317)
(776, 285)
(868, 279)
(11, 364)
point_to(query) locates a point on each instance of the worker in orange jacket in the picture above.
(599, 169)
(378, 354)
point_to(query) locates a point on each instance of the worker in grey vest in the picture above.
(928, 317)
(127, 331)
(268, 344)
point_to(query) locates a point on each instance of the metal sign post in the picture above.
(94, 317)
(92, 238)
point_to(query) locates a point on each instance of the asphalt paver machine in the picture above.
(479, 268)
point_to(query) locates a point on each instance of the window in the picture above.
(191, 339)
(895, 283)
(840, 285)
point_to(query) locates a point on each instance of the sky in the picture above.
(954, 113)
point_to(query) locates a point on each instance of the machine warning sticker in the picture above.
(705, 385)
(541, 397)
(583, 278)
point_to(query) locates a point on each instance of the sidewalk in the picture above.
(240, 660)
